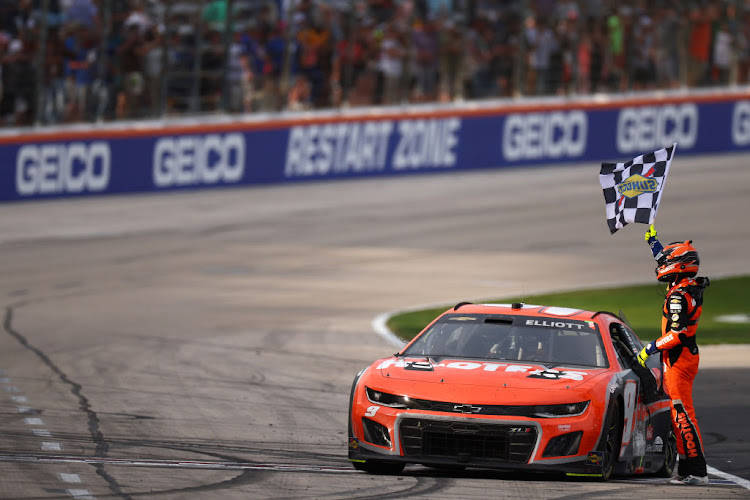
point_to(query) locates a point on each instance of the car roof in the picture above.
(528, 310)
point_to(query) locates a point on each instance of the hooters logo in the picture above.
(689, 437)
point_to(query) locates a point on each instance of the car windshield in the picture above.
(549, 341)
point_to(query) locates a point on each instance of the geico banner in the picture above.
(173, 159)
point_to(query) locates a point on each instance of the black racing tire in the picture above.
(611, 440)
(670, 456)
(379, 467)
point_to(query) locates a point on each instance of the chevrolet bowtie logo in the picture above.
(467, 408)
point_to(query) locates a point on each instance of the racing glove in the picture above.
(646, 352)
(653, 242)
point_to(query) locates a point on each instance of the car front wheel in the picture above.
(611, 444)
(670, 456)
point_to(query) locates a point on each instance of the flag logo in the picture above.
(632, 189)
(636, 185)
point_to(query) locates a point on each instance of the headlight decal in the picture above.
(561, 410)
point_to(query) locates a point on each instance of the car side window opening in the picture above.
(509, 339)
(627, 345)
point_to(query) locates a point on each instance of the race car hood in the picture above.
(453, 373)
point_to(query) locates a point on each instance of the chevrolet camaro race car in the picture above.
(515, 386)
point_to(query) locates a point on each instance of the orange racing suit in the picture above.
(682, 309)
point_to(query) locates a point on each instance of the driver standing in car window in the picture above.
(677, 265)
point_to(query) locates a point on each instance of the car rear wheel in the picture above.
(612, 439)
(670, 456)
(379, 466)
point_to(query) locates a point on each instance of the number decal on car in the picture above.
(371, 411)
(629, 395)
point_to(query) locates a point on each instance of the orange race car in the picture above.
(515, 386)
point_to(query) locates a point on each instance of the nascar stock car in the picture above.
(515, 386)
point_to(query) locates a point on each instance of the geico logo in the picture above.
(337, 147)
(741, 123)
(62, 168)
(535, 136)
(191, 160)
(652, 127)
(426, 143)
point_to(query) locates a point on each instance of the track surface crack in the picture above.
(102, 447)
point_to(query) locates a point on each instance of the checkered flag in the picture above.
(632, 190)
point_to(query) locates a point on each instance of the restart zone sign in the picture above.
(95, 163)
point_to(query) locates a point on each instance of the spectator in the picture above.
(425, 43)
(743, 50)
(83, 13)
(18, 103)
(722, 54)
(350, 56)
(668, 28)
(390, 64)
(54, 79)
(451, 62)
(79, 63)
(212, 71)
(153, 68)
(138, 17)
(300, 95)
(130, 55)
(214, 15)
(479, 58)
(699, 46)
(643, 66)
(504, 55)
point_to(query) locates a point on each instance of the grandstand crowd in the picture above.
(68, 61)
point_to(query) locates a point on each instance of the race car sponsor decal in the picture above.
(489, 367)
(595, 458)
(639, 438)
(636, 185)
(554, 324)
(419, 364)
(557, 374)
(563, 427)
(462, 318)
(656, 447)
(658, 444)
(663, 341)
(354, 444)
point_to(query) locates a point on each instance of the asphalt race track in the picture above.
(203, 344)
